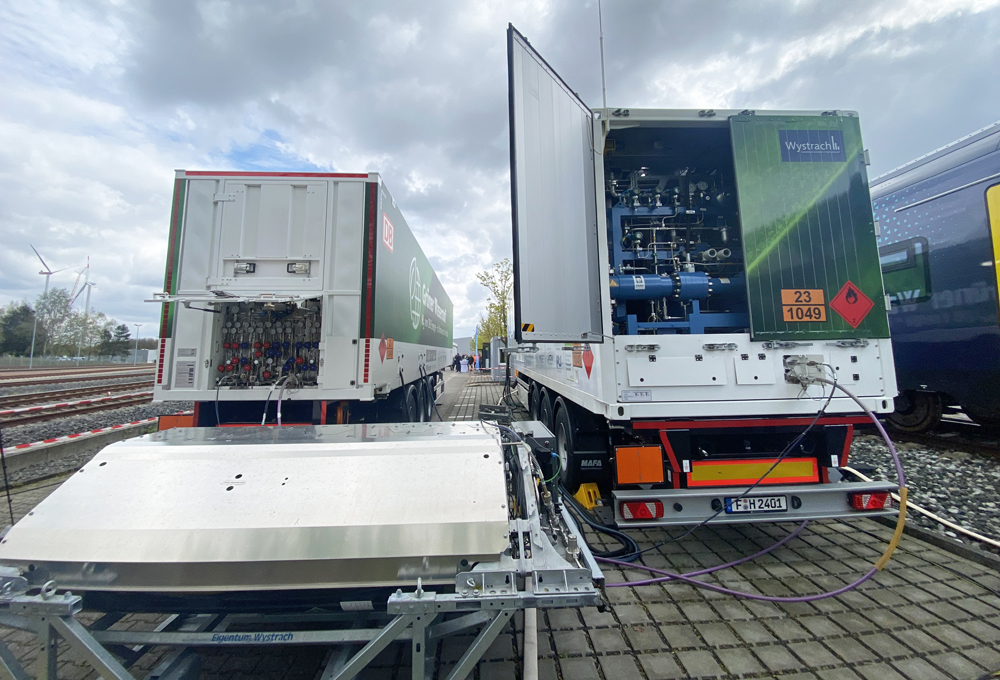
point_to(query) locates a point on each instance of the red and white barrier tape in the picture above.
(65, 404)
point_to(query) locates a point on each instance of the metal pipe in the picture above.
(530, 660)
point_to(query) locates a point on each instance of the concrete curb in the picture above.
(24, 455)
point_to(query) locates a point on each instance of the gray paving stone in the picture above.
(917, 616)
(497, 670)
(631, 613)
(957, 666)
(987, 657)
(885, 646)
(739, 661)
(918, 640)
(665, 613)
(592, 617)
(580, 668)
(752, 632)
(644, 637)
(701, 664)
(731, 610)
(854, 622)
(717, 634)
(917, 669)
(850, 650)
(620, 667)
(976, 606)
(547, 669)
(787, 630)
(608, 640)
(681, 636)
(982, 630)
(661, 667)
(698, 611)
(776, 658)
(820, 626)
(569, 642)
(564, 619)
(878, 671)
(813, 654)
(837, 674)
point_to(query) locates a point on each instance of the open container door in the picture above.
(557, 263)
(812, 263)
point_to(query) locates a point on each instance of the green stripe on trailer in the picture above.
(173, 253)
(807, 225)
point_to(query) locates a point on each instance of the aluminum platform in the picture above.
(244, 509)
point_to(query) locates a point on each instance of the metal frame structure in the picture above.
(546, 565)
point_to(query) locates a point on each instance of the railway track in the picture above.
(73, 377)
(63, 370)
(956, 433)
(36, 414)
(60, 396)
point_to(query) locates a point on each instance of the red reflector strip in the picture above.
(368, 349)
(641, 509)
(878, 500)
(159, 364)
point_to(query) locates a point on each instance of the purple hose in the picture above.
(709, 570)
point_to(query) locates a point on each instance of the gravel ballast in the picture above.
(35, 432)
(961, 487)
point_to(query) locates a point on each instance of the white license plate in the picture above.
(756, 504)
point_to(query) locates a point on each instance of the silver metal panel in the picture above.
(554, 204)
(272, 508)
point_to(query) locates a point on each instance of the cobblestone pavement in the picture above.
(929, 615)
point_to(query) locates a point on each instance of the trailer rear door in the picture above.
(812, 262)
(557, 293)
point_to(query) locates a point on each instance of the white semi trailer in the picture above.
(306, 288)
(678, 275)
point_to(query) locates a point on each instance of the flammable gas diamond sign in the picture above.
(852, 304)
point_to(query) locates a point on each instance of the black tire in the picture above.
(564, 428)
(429, 398)
(916, 411)
(545, 408)
(533, 401)
(421, 393)
(409, 405)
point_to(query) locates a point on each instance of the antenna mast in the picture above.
(604, 84)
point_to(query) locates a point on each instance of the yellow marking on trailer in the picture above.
(527, 327)
(993, 206)
(748, 471)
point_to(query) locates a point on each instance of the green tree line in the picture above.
(63, 330)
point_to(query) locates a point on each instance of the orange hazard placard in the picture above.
(802, 296)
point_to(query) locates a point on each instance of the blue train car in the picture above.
(939, 247)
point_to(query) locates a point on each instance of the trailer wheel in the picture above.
(421, 394)
(916, 411)
(429, 398)
(564, 427)
(545, 407)
(411, 414)
(533, 399)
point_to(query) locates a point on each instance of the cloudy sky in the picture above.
(102, 100)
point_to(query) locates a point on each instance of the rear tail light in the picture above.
(641, 509)
(878, 500)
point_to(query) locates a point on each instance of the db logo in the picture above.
(387, 232)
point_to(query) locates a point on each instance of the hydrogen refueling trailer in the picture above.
(303, 288)
(677, 274)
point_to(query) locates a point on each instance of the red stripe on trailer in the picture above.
(847, 445)
(368, 348)
(224, 173)
(159, 364)
(675, 478)
(747, 422)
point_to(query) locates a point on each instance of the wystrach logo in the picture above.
(387, 232)
(812, 146)
(421, 299)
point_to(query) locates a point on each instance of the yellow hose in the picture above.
(900, 523)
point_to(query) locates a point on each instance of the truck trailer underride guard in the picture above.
(362, 533)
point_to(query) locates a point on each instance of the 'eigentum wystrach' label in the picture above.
(812, 146)
(410, 302)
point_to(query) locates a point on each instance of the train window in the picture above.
(906, 271)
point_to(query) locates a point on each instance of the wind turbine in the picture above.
(87, 285)
(47, 273)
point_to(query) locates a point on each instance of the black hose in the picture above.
(629, 550)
